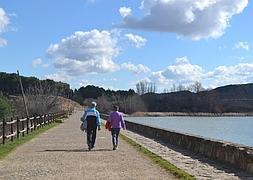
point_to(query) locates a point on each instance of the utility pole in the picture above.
(23, 94)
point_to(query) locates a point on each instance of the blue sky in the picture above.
(115, 44)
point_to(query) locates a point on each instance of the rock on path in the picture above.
(61, 153)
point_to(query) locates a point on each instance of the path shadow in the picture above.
(75, 150)
(220, 166)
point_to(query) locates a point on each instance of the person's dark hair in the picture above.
(116, 108)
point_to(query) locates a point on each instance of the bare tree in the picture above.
(104, 104)
(173, 88)
(180, 87)
(44, 99)
(195, 87)
(166, 90)
(137, 104)
(144, 87)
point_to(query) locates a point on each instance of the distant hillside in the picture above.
(231, 98)
(234, 98)
(42, 96)
(241, 91)
(9, 85)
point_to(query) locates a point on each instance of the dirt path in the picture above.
(61, 153)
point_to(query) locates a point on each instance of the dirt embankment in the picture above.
(42, 104)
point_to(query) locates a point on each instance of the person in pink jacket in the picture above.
(117, 122)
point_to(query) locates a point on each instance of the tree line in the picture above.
(128, 101)
(9, 85)
(43, 96)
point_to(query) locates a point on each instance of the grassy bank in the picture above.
(159, 160)
(10, 146)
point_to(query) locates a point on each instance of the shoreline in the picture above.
(199, 114)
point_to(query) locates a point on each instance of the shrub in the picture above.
(5, 107)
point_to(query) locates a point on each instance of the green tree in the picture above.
(5, 107)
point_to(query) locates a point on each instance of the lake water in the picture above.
(233, 129)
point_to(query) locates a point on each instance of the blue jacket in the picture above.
(92, 112)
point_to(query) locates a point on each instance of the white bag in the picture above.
(83, 126)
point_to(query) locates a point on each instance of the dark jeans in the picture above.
(91, 131)
(115, 135)
(91, 136)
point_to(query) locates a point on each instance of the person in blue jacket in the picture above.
(92, 116)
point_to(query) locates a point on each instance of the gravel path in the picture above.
(61, 153)
(200, 167)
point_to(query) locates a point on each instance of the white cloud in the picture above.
(136, 40)
(3, 42)
(140, 68)
(4, 21)
(185, 73)
(240, 73)
(196, 19)
(159, 78)
(125, 11)
(75, 67)
(242, 45)
(84, 83)
(38, 63)
(85, 52)
(59, 76)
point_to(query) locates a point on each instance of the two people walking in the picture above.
(91, 117)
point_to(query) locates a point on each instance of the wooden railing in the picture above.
(9, 130)
(104, 116)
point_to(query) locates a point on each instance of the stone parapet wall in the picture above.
(238, 156)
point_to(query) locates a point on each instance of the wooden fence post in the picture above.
(32, 123)
(40, 121)
(4, 130)
(49, 118)
(18, 127)
(27, 125)
(46, 120)
(23, 127)
(12, 129)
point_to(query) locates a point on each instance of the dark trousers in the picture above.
(115, 135)
(91, 136)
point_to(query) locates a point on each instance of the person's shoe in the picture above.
(114, 148)
(89, 147)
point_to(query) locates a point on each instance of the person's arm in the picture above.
(98, 120)
(110, 118)
(122, 121)
(84, 116)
